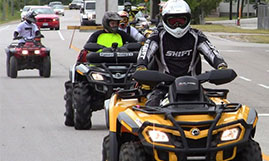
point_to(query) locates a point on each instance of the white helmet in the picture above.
(176, 17)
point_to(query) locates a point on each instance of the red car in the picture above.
(46, 18)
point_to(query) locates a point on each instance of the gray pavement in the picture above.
(248, 23)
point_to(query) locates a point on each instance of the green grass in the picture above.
(10, 17)
(220, 18)
(257, 36)
(228, 29)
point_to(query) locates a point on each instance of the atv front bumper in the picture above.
(182, 146)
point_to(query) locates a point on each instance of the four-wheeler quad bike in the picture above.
(192, 122)
(31, 55)
(93, 82)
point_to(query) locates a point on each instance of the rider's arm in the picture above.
(125, 37)
(16, 34)
(211, 54)
(147, 51)
(36, 30)
(137, 35)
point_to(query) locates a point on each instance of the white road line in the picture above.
(244, 78)
(4, 28)
(60, 34)
(267, 51)
(267, 70)
(264, 86)
(263, 114)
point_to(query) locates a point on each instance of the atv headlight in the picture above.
(37, 52)
(230, 134)
(24, 52)
(97, 76)
(158, 136)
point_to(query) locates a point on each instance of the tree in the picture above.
(201, 8)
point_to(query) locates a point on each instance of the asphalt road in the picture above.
(31, 108)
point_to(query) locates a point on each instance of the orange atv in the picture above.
(191, 123)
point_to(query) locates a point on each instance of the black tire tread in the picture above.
(105, 150)
(250, 152)
(69, 114)
(132, 151)
(13, 67)
(81, 104)
(46, 67)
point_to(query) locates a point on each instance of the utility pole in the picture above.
(231, 10)
(12, 8)
(3, 11)
(238, 13)
(154, 8)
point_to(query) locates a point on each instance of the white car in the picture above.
(24, 11)
(88, 14)
(58, 9)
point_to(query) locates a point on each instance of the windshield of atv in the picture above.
(90, 6)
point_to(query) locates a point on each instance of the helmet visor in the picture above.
(124, 20)
(175, 21)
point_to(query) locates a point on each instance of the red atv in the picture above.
(30, 55)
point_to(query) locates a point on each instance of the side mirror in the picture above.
(21, 10)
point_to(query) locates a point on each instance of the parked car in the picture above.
(24, 11)
(58, 9)
(88, 14)
(51, 4)
(75, 4)
(46, 18)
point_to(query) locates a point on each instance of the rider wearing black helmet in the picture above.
(128, 9)
(109, 35)
(27, 29)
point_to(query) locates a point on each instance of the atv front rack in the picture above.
(187, 108)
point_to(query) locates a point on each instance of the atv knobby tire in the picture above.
(46, 67)
(69, 113)
(82, 106)
(106, 148)
(13, 67)
(250, 152)
(8, 66)
(132, 151)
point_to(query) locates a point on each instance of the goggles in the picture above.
(177, 21)
(124, 20)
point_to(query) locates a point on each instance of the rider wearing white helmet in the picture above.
(27, 29)
(176, 47)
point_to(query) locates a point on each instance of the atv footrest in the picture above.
(222, 93)
(130, 93)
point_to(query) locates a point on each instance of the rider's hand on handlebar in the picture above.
(222, 66)
(143, 86)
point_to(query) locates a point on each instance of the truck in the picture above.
(88, 13)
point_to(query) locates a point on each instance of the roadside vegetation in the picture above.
(10, 17)
(247, 35)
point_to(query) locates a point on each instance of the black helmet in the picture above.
(30, 17)
(127, 6)
(111, 16)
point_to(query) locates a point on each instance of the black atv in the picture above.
(93, 82)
